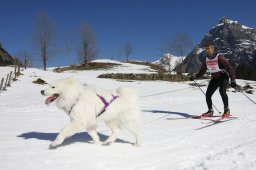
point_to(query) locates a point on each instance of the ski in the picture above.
(183, 118)
(191, 117)
(218, 120)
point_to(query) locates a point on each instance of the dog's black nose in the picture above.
(42, 92)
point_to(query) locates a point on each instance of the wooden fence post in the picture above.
(15, 72)
(9, 80)
(19, 69)
(5, 85)
(2, 83)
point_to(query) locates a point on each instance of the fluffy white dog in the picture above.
(86, 106)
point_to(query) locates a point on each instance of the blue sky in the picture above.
(143, 23)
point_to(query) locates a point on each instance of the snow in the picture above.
(200, 50)
(231, 21)
(245, 27)
(106, 61)
(169, 61)
(27, 127)
(246, 42)
(5, 70)
(125, 67)
(220, 24)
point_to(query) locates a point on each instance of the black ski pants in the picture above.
(222, 83)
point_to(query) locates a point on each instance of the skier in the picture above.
(220, 70)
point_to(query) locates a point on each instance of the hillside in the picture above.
(5, 57)
(28, 126)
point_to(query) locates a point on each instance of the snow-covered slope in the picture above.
(27, 126)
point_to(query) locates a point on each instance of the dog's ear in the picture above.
(71, 79)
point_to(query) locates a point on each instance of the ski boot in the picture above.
(226, 113)
(208, 114)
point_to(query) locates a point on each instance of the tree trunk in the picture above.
(44, 56)
(85, 54)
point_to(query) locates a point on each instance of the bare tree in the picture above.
(112, 56)
(88, 48)
(181, 44)
(25, 58)
(127, 50)
(117, 54)
(177, 65)
(44, 36)
(166, 47)
(68, 49)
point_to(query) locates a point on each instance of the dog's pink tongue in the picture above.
(49, 99)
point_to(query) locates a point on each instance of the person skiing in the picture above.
(220, 70)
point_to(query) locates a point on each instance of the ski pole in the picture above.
(248, 97)
(205, 95)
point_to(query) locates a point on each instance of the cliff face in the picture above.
(5, 58)
(237, 41)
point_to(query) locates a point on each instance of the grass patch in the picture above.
(88, 66)
(248, 89)
(39, 81)
(197, 84)
(143, 77)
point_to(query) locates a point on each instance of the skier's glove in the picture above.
(233, 84)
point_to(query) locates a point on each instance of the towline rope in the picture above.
(166, 92)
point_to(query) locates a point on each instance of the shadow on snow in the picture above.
(78, 137)
(170, 113)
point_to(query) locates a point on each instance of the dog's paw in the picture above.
(95, 143)
(55, 144)
(107, 143)
(52, 147)
(137, 144)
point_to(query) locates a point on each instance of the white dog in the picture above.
(86, 106)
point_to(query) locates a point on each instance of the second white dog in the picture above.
(86, 106)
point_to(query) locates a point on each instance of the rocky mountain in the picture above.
(237, 41)
(5, 57)
(168, 61)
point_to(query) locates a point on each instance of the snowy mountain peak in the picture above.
(168, 61)
(224, 20)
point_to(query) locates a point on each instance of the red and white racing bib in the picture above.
(212, 64)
